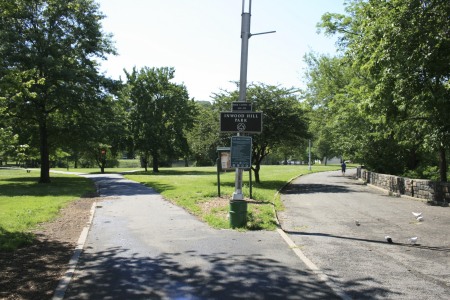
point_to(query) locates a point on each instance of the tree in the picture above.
(337, 123)
(402, 46)
(49, 66)
(108, 132)
(161, 112)
(284, 120)
(204, 136)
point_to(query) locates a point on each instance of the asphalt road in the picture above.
(142, 247)
(321, 217)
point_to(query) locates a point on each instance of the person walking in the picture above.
(343, 167)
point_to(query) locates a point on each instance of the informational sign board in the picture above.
(225, 160)
(241, 106)
(241, 152)
(243, 122)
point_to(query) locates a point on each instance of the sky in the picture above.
(201, 40)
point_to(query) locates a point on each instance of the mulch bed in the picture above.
(33, 272)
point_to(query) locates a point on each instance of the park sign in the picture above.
(242, 122)
(241, 152)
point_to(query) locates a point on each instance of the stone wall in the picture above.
(435, 193)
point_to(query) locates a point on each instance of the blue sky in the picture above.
(201, 39)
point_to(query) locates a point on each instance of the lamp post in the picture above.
(245, 35)
(237, 203)
(309, 156)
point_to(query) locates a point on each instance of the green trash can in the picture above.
(238, 213)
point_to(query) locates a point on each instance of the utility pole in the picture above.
(237, 202)
(245, 35)
(309, 156)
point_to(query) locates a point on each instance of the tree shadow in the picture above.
(34, 271)
(117, 273)
(23, 186)
(171, 172)
(12, 240)
(364, 288)
(415, 246)
(118, 186)
(312, 188)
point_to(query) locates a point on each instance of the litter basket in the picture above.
(238, 213)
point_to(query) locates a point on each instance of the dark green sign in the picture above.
(241, 152)
(244, 122)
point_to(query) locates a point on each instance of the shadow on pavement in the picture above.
(363, 288)
(315, 188)
(117, 273)
(416, 246)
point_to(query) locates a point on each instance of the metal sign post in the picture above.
(237, 203)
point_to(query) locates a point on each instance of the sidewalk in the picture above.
(143, 247)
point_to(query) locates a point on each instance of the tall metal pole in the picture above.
(245, 35)
(309, 160)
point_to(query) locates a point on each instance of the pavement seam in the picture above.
(67, 277)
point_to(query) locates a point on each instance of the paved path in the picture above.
(320, 217)
(142, 247)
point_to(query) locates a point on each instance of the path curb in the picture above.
(67, 277)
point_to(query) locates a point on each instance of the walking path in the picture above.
(332, 246)
(143, 247)
(341, 224)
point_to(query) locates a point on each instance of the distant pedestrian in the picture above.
(343, 167)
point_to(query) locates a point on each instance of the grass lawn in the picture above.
(195, 189)
(24, 202)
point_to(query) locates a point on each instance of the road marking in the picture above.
(67, 277)
(322, 276)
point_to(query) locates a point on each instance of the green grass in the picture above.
(97, 170)
(196, 188)
(24, 202)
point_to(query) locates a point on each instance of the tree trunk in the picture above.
(256, 171)
(155, 163)
(45, 159)
(442, 164)
(144, 161)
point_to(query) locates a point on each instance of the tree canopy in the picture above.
(398, 54)
(49, 67)
(160, 113)
(284, 120)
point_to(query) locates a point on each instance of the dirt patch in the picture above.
(214, 205)
(33, 272)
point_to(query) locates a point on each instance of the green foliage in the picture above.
(49, 69)
(203, 137)
(161, 112)
(337, 120)
(25, 203)
(284, 120)
(390, 84)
